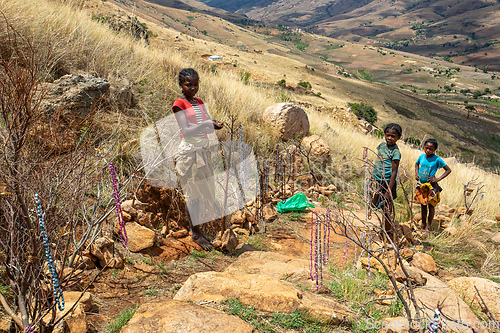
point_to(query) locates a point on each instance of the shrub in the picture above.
(364, 111)
(245, 76)
(413, 140)
(305, 84)
(281, 83)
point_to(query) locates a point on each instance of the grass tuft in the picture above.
(272, 322)
(116, 325)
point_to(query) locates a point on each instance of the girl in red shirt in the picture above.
(193, 163)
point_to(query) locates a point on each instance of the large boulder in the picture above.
(66, 105)
(317, 147)
(74, 95)
(489, 291)
(178, 317)
(263, 293)
(437, 292)
(277, 266)
(288, 119)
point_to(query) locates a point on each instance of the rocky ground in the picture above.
(269, 271)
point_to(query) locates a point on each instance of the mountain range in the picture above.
(463, 31)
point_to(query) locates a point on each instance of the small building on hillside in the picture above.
(214, 58)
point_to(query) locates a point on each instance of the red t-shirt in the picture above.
(189, 110)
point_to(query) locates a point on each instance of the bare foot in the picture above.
(426, 234)
(200, 239)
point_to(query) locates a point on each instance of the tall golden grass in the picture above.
(69, 41)
(349, 143)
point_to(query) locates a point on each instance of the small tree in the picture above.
(68, 184)
(364, 111)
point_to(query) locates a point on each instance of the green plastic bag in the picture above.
(296, 203)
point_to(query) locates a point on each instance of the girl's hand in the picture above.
(433, 180)
(417, 178)
(217, 124)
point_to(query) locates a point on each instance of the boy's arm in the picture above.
(447, 171)
(417, 166)
(392, 181)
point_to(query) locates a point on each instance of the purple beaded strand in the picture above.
(123, 231)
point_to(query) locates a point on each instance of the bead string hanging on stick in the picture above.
(346, 247)
(266, 187)
(121, 222)
(29, 329)
(260, 198)
(326, 232)
(367, 180)
(320, 239)
(283, 175)
(293, 170)
(276, 164)
(369, 247)
(434, 323)
(58, 294)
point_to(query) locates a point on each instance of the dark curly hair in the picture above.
(432, 142)
(185, 73)
(394, 127)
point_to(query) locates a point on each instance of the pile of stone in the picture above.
(244, 223)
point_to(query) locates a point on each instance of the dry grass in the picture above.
(70, 42)
(349, 143)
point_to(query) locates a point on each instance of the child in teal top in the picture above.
(386, 167)
(426, 168)
(385, 172)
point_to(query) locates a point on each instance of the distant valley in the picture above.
(465, 31)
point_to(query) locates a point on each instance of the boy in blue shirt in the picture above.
(425, 172)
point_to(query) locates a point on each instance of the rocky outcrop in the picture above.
(179, 317)
(317, 147)
(289, 120)
(277, 266)
(437, 292)
(126, 24)
(263, 293)
(74, 95)
(489, 291)
(66, 105)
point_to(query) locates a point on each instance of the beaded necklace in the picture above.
(58, 294)
(123, 231)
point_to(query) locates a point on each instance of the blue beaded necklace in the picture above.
(58, 294)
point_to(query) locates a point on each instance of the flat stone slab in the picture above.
(179, 317)
(436, 292)
(262, 292)
(277, 266)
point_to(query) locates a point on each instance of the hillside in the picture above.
(466, 32)
(81, 82)
(396, 83)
